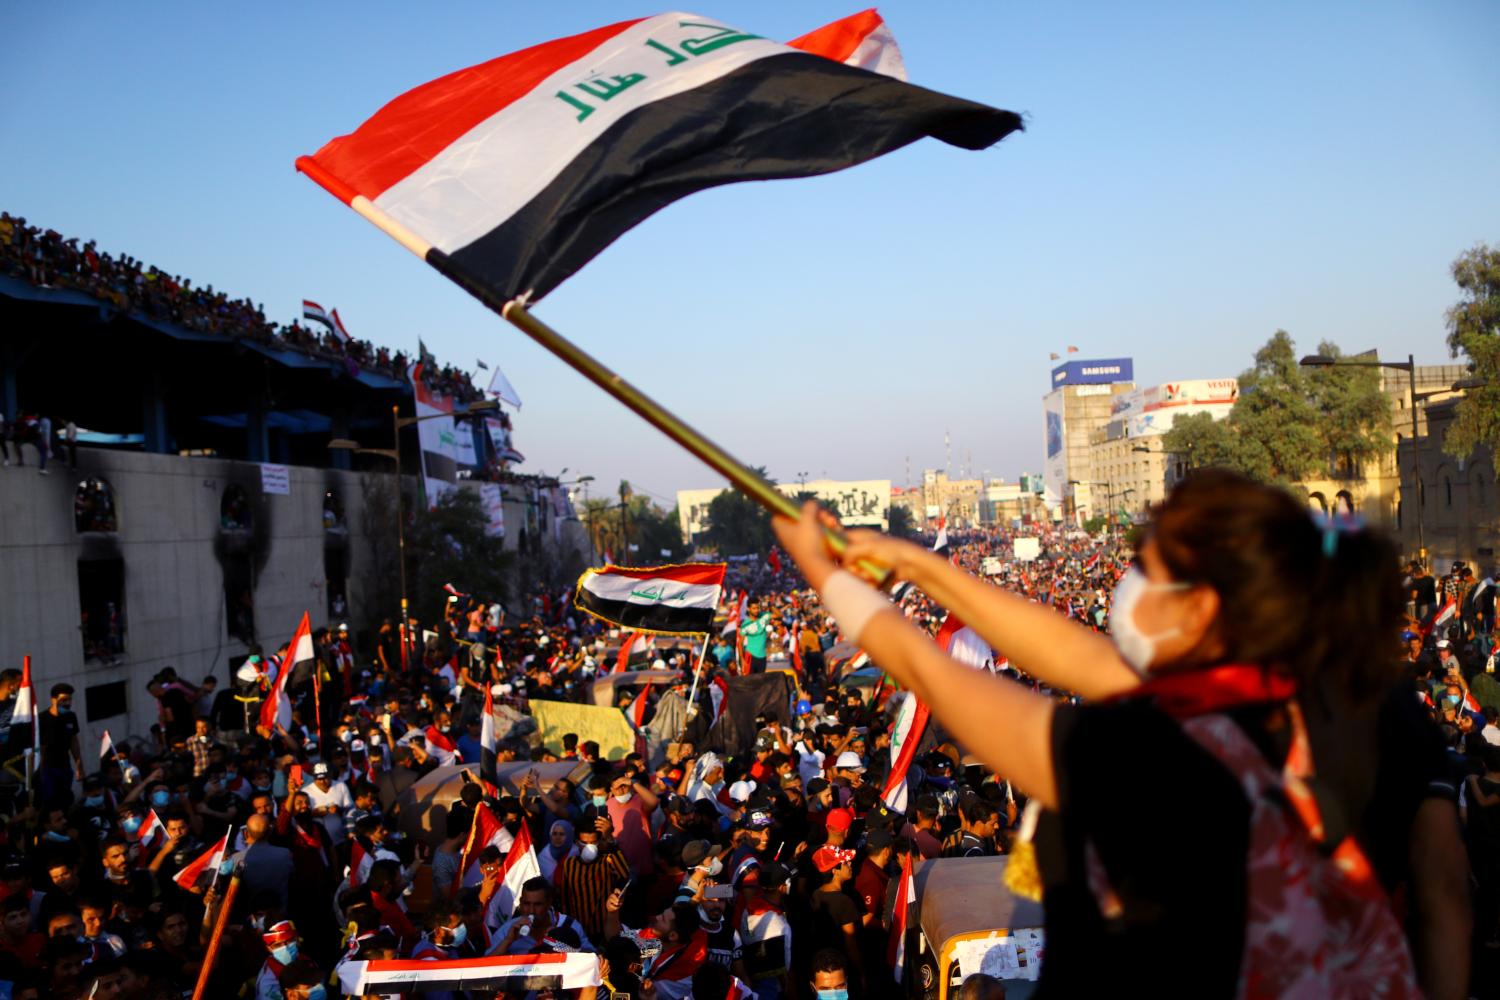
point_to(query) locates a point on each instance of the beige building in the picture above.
(1128, 458)
(1003, 503)
(1081, 403)
(861, 503)
(1461, 499)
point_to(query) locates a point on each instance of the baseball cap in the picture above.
(741, 791)
(849, 761)
(763, 743)
(828, 857)
(839, 819)
(758, 819)
(817, 786)
(280, 933)
(320, 770)
(1444, 644)
(694, 851)
(357, 746)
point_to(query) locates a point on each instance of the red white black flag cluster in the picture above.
(511, 175)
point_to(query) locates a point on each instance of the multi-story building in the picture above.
(1004, 504)
(1128, 457)
(862, 503)
(1460, 508)
(1081, 402)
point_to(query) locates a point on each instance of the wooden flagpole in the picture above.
(212, 954)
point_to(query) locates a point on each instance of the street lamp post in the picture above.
(394, 453)
(1410, 367)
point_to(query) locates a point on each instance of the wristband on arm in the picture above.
(852, 602)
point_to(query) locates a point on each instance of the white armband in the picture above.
(852, 602)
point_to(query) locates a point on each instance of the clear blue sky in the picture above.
(1193, 177)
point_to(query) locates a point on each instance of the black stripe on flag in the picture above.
(645, 617)
(791, 115)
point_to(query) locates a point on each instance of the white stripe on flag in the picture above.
(879, 53)
(652, 591)
(523, 147)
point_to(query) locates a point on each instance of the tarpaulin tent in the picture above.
(605, 685)
(769, 693)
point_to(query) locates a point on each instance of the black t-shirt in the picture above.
(1425, 588)
(1170, 825)
(57, 734)
(830, 912)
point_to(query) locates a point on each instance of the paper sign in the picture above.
(275, 479)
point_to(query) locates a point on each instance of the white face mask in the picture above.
(623, 799)
(1136, 647)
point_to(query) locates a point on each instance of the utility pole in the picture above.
(625, 522)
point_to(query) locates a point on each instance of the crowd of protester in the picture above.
(48, 259)
(690, 871)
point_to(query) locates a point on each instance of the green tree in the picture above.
(1200, 440)
(1354, 415)
(738, 525)
(901, 525)
(1474, 331)
(449, 544)
(1275, 422)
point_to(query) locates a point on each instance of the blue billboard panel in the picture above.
(1101, 371)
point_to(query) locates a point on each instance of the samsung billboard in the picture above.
(1098, 372)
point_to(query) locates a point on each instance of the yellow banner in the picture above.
(606, 726)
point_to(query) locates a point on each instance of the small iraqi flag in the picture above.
(106, 749)
(24, 712)
(519, 974)
(964, 644)
(905, 896)
(487, 752)
(675, 600)
(511, 175)
(638, 708)
(205, 868)
(311, 310)
(276, 710)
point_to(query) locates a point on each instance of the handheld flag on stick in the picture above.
(487, 756)
(509, 176)
(205, 868)
(672, 600)
(905, 896)
(277, 708)
(24, 713)
(312, 311)
(911, 721)
(106, 749)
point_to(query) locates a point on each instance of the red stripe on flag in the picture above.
(492, 962)
(696, 573)
(424, 121)
(837, 41)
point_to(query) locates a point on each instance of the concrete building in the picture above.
(138, 562)
(1004, 504)
(861, 503)
(1081, 402)
(955, 500)
(1127, 454)
(1461, 499)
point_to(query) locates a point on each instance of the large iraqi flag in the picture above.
(510, 175)
(277, 708)
(675, 600)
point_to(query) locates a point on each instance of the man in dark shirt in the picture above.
(62, 760)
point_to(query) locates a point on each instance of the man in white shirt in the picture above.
(330, 800)
(1491, 731)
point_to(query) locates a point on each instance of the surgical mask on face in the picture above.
(1452, 699)
(600, 800)
(93, 801)
(61, 838)
(842, 993)
(1137, 648)
(588, 852)
(131, 825)
(623, 798)
(285, 954)
(161, 799)
(458, 935)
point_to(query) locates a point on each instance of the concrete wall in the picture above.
(169, 539)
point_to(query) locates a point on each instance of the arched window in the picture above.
(1447, 492)
(1318, 502)
(1480, 498)
(94, 506)
(1343, 503)
(234, 510)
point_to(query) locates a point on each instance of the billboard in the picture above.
(1055, 469)
(1100, 371)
